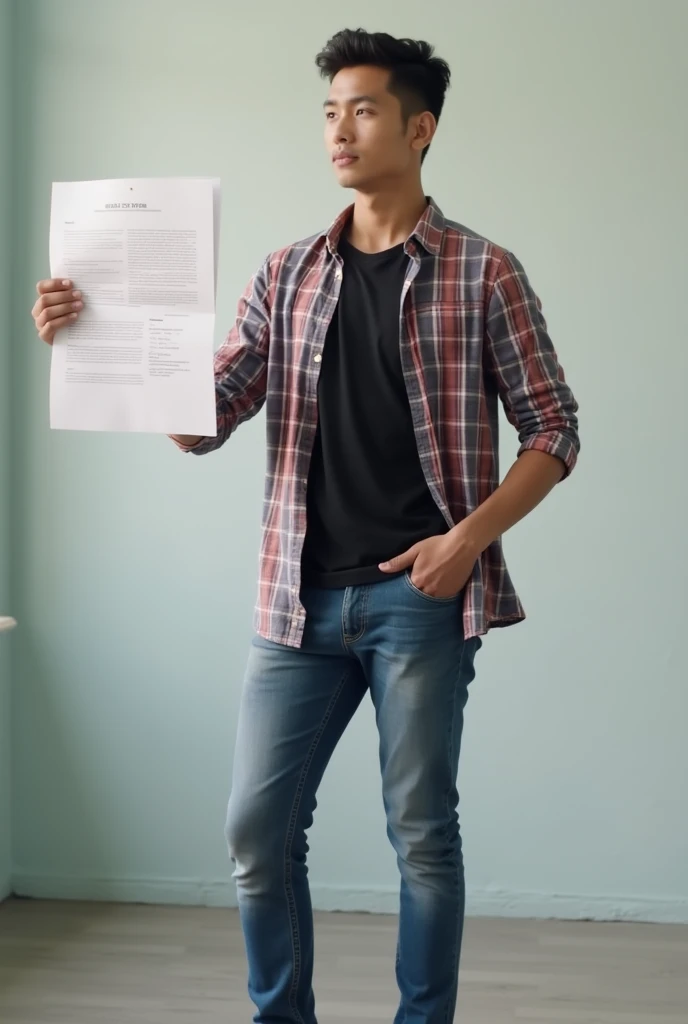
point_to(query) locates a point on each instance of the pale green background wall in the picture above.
(564, 139)
(5, 437)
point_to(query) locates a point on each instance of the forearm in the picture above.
(240, 369)
(527, 483)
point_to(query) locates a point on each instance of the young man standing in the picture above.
(381, 348)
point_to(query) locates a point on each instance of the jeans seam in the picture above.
(364, 620)
(451, 1000)
(291, 902)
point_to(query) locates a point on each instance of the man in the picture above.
(380, 348)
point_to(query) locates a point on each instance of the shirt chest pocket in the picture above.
(446, 319)
(447, 332)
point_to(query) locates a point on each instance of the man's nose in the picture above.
(345, 131)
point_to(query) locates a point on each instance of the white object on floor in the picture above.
(6, 623)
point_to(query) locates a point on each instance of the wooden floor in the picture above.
(75, 963)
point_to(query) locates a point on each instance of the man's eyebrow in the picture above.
(353, 99)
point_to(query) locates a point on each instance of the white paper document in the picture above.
(144, 254)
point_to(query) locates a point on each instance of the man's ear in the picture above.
(424, 128)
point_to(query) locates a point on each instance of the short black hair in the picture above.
(418, 78)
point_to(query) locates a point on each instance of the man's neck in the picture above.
(385, 219)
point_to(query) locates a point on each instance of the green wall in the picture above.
(564, 139)
(6, 29)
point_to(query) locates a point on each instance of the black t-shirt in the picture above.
(368, 499)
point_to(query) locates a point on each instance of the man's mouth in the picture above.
(343, 159)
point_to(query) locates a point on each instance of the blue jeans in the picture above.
(408, 650)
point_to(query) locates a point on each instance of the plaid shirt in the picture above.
(471, 333)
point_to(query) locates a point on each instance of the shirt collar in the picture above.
(428, 231)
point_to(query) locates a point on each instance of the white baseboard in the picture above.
(480, 902)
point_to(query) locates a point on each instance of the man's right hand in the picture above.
(57, 305)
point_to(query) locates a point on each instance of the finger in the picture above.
(55, 312)
(56, 299)
(48, 332)
(53, 285)
(400, 562)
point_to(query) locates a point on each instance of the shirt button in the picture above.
(317, 358)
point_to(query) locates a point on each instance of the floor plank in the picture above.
(85, 963)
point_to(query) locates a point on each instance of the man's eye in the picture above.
(363, 110)
(329, 115)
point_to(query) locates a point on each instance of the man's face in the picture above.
(365, 133)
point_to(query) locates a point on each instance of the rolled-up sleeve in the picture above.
(241, 364)
(520, 354)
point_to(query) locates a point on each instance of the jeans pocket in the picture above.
(427, 597)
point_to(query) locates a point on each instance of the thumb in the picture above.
(400, 562)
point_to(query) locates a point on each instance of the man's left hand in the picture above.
(440, 566)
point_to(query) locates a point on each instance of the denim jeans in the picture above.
(408, 650)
